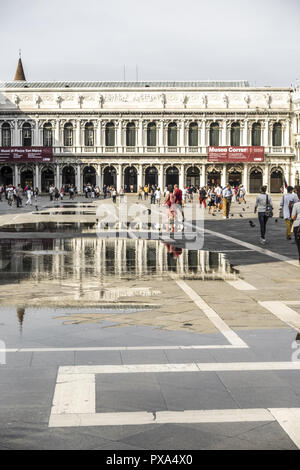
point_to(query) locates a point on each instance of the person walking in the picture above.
(295, 216)
(262, 205)
(202, 197)
(227, 197)
(29, 194)
(114, 195)
(158, 196)
(286, 206)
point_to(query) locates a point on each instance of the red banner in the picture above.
(236, 154)
(26, 154)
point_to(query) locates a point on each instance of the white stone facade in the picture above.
(99, 104)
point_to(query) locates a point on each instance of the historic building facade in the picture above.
(133, 133)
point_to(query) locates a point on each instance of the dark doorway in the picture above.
(6, 175)
(276, 181)
(89, 176)
(255, 181)
(213, 178)
(235, 178)
(172, 176)
(68, 175)
(47, 179)
(27, 178)
(193, 176)
(151, 176)
(110, 176)
(130, 179)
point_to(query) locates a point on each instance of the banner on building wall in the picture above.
(236, 154)
(26, 154)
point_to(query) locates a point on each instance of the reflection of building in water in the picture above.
(83, 258)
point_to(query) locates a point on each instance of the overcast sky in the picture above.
(254, 40)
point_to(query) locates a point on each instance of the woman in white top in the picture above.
(158, 196)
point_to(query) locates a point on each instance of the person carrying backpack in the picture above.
(264, 207)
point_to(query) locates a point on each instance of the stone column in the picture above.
(182, 134)
(140, 176)
(266, 177)
(78, 179)
(223, 177)
(203, 134)
(118, 139)
(245, 133)
(286, 141)
(139, 126)
(266, 133)
(77, 136)
(203, 175)
(16, 175)
(223, 137)
(161, 135)
(181, 176)
(57, 176)
(161, 178)
(99, 176)
(245, 176)
(36, 179)
(119, 177)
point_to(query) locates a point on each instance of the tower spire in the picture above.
(20, 75)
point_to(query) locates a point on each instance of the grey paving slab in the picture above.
(54, 358)
(97, 357)
(133, 400)
(206, 398)
(265, 397)
(16, 360)
(144, 357)
(248, 379)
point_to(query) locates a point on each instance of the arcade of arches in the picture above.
(131, 176)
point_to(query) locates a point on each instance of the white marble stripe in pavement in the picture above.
(283, 312)
(264, 251)
(185, 367)
(289, 420)
(229, 334)
(124, 348)
(239, 284)
(161, 417)
(74, 394)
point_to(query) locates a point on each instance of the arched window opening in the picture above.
(214, 134)
(68, 135)
(277, 135)
(26, 135)
(6, 135)
(256, 134)
(130, 135)
(235, 134)
(151, 134)
(47, 135)
(193, 134)
(89, 135)
(172, 134)
(110, 135)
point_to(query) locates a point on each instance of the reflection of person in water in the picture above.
(20, 315)
(173, 251)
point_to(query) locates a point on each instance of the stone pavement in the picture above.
(133, 344)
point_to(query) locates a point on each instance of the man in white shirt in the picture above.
(287, 202)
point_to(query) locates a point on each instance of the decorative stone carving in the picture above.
(204, 100)
(247, 100)
(225, 100)
(163, 100)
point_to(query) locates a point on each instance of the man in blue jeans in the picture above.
(262, 200)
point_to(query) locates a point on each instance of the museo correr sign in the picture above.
(236, 154)
(26, 154)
